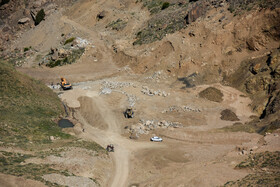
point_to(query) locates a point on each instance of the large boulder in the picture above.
(23, 20)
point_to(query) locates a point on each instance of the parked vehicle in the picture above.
(156, 139)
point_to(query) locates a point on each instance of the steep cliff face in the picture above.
(260, 79)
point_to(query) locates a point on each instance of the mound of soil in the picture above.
(212, 94)
(228, 115)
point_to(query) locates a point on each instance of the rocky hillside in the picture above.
(259, 79)
(28, 130)
(215, 56)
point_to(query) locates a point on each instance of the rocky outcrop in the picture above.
(198, 10)
(260, 79)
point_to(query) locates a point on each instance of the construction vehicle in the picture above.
(110, 148)
(64, 84)
(129, 113)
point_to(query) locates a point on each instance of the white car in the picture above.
(156, 139)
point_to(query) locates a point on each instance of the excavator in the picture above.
(64, 84)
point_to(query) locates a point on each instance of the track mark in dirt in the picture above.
(123, 146)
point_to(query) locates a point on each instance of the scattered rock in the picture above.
(157, 76)
(71, 181)
(181, 109)
(106, 91)
(143, 127)
(134, 136)
(145, 90)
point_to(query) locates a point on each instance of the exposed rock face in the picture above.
(252, 44)
(198, 10)
(257, 83)
(274, 104)
(260, 79)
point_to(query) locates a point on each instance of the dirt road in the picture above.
(123, 146)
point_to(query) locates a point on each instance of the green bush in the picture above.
(40, 16)
(165, 5)
(69, 40)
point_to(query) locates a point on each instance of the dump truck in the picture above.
(64, 84)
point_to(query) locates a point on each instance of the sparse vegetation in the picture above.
(14, 164)
(239, 127)
(117, 25)
(27, 108)
(72, 58)
(165, 5)
(40, 16)
(239, 6)
(160, 25)
(26, 49)
(154, 6)
(87, 145)
(70, 40)
(266, 170)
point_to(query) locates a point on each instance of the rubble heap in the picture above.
(145, 90)
(181, 109)
(144, 126)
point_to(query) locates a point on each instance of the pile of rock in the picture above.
(190, 109)
(131, 99)
(181, 109)
(157, 76)
(105, 91)
(56, 54)
(172, 109)
(109, 86)
(145, 90)
(144, 126)
(115, 85)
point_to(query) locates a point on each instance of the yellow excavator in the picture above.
(64, 84)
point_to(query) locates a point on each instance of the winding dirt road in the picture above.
(123, 146)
